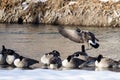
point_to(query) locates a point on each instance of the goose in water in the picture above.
(79, 36)
(90, 61)
(23, 62)
(72, 62)
(102, 62)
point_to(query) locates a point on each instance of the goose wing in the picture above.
(71, 34)
(31, 61)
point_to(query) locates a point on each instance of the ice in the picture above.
(47, 74)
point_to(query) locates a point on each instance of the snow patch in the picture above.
(47, 74)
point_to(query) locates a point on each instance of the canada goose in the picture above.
(48, 58)
(23, 62)
(55, 61)
(45, 59)
(106, 62)
(72, 62)
(79, 36)
(81, 54)
(10, 55)
(90, 61)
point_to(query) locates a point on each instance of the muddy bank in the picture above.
(64, 12)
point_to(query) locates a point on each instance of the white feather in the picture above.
(90, 41)
(45, 59)
(67, 64)
(10, 59)
(18, 63)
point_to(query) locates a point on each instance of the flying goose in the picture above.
(106, 62)
(79, 36)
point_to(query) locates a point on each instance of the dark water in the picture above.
(35, 40)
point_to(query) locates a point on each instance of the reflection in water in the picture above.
(33, 41)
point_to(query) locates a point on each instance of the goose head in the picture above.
(7, 51)
(82, 52)
(55, 53)
(91, 39)
(99, 58)
(70, 57)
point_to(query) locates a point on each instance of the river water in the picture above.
(34, 40)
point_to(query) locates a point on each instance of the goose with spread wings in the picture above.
(79, 36)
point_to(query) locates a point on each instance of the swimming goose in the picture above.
(72, 62)
(23, 62)
(90, 61)
(79, 36)
(106, 62)
(10, 55)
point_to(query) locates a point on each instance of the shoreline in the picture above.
(80, 12)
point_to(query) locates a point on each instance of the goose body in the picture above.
(23, 62)
(90, 61)
(52, 59)
(45, 59)
(79, 36)
(10, 59)
(9, 55)
(106, 62)
(55, 63)
(72, 62)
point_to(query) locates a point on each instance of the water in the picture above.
(35, 40)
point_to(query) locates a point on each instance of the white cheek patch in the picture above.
(91, 42)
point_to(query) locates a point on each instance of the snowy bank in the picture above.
(46, 74)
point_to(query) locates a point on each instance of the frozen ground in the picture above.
(47, 74)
